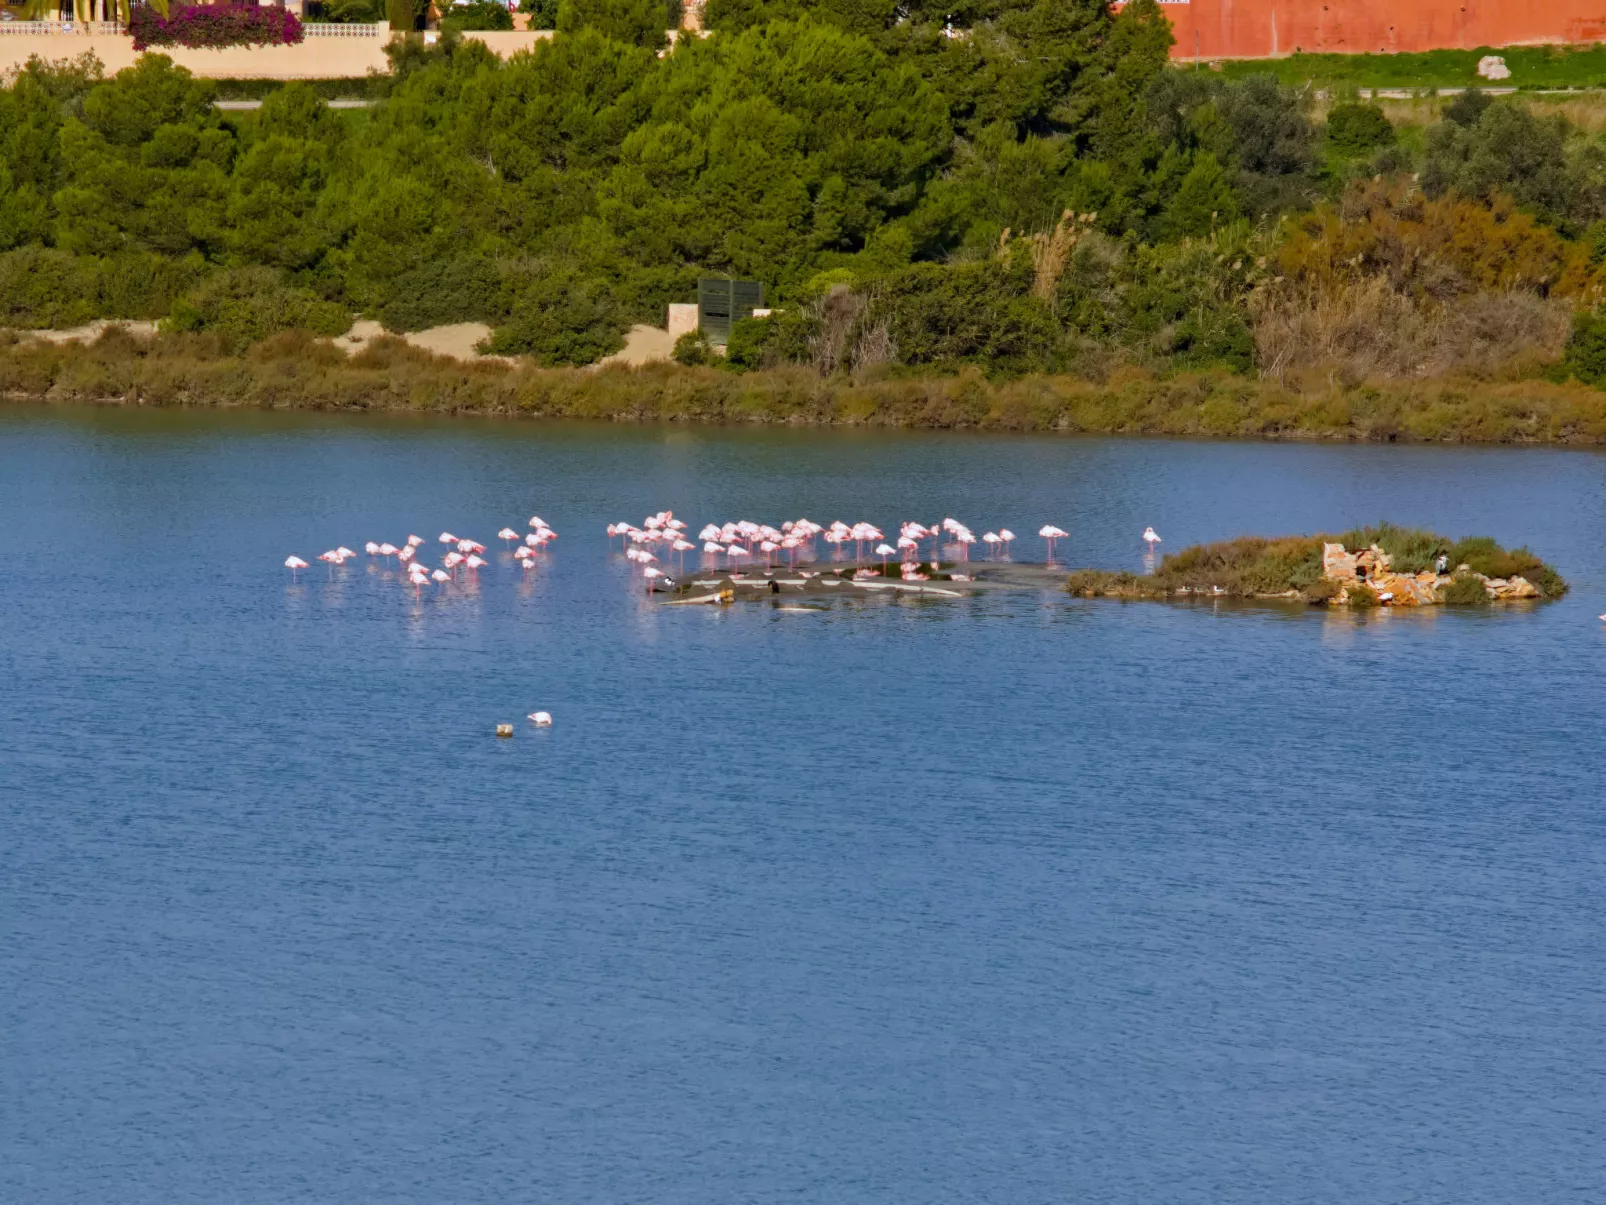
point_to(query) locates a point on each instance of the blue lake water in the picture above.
(1013, 899)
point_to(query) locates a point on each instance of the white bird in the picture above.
(388, 550)
(371, 548)
(537, 521)
(448, 538)
(345, 553)
(1051, 533)
(1150, 538)
(541, 719)
(294, 564)
(507, 533)
(440, 575)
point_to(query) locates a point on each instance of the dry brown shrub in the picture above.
(1369, 330)
(1437, 247)
(1392, 285)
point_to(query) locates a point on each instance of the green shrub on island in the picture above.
(1292, 567)
(1465, 590)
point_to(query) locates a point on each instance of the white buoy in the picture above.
(541, 719)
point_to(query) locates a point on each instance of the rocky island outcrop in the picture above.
(1384, 565)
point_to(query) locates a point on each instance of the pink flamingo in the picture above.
(1005, 537)
(294, 564)
(884, 551)
(1051, 533)
(1150, 538)
(991, 540)
(507, 535)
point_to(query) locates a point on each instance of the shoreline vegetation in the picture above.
(1384, 565)
(1024, 218)
(299, 370)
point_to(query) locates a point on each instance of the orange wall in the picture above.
(1237, 29)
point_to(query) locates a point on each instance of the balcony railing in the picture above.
(23, 28)
(330, 29)
(313, 29)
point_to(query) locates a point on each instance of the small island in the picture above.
(1373, 566)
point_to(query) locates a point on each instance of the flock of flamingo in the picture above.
(461, 554)
(737, 542)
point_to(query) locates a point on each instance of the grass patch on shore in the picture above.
(1291, 567)
(1531, 67)
(298, 370)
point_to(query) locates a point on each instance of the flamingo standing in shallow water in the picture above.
(1051, 533)
(1150, 538)
(294, 564)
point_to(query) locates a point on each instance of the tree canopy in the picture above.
(1008, 182)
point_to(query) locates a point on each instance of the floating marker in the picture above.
(504, 730)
